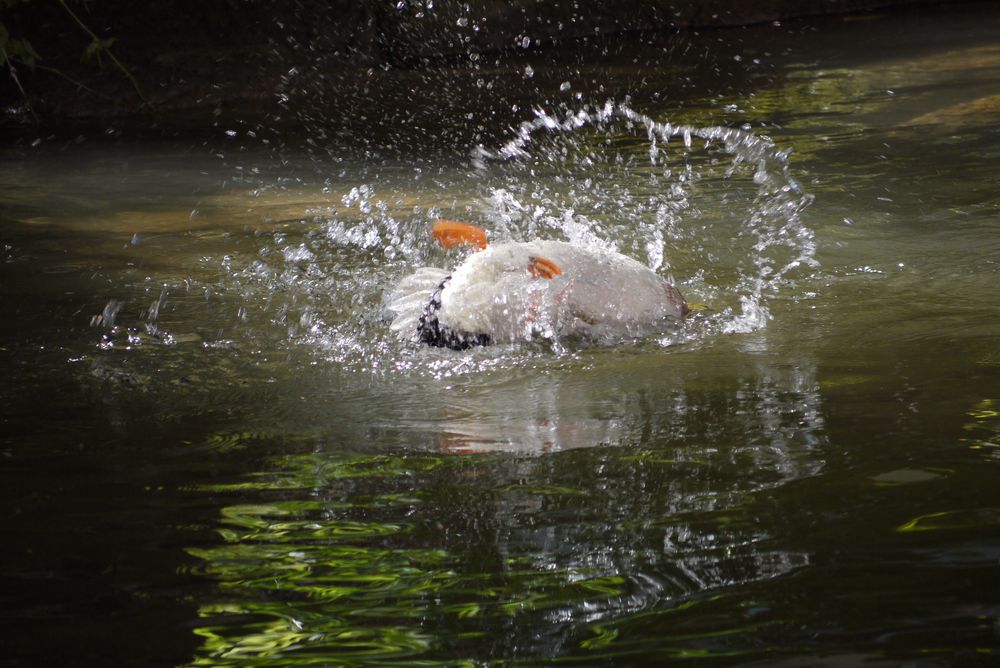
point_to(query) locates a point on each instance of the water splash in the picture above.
(665, 198)
(715, 209)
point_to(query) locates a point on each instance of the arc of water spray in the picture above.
(779, 198)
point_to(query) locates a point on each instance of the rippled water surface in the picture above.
(215, 452)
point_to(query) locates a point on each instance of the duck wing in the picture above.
(407, 301)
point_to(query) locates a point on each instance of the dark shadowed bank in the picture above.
(181, 64)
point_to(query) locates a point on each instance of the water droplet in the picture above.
(564, 86)
(529, 71)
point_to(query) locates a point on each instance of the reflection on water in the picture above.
(373, 556)
(212, 440)
(983, 430)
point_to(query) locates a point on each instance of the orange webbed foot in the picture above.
(450, 233)
(540, 267)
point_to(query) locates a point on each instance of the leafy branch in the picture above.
(13, 71)
(15, 52)
(22, 51)
(98, 46)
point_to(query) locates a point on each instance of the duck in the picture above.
(520, 291)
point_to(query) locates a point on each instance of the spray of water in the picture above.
(768, 229)
(713, 209)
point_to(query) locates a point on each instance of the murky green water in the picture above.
(215, 453)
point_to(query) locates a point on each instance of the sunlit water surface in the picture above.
(216, 453)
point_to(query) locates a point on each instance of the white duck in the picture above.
(518, 291)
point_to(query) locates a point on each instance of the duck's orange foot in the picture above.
(540, 267)
(451, 233)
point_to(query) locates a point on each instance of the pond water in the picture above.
(215, 452)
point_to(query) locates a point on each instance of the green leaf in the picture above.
(30, 50)
(93, 51)
(20, 51)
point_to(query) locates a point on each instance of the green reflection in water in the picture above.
(273, 641)
(296, 576)
(953, 519)
(298, 472)
(847, 380)
(623, 638)
(223, 442)
(545, 490)
(651, 456)
(900, 477)
(984, 428)
(348, 577)
(604, 638)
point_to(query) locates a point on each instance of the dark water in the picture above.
(214, 452)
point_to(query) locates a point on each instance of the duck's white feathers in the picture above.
(409, 299)
(599, 293)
